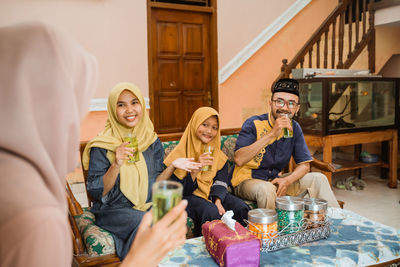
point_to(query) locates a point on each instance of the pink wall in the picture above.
(239, 22)
(247, 91)
(113, 31)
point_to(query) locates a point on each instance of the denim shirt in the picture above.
(99, 165)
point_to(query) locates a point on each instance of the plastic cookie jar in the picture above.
(263, 223)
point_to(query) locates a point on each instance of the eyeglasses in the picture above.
(280, 103)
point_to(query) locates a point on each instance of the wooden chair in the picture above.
(81, 256)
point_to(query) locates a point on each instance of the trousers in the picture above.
(264, 193)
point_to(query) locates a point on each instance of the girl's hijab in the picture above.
(46, 82)
(133, 176)
(190, 146)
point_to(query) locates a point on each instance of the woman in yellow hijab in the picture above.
(121, 189)
(205, 189)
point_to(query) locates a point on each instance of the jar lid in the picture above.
(262, 216)
(315, 204)
(289, 203)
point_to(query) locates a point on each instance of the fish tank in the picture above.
(343, 105)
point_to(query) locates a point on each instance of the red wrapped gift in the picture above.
(231, 248)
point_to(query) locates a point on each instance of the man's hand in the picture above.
(280, 123)
(283, 184)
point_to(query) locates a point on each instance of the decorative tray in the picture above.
(301, 234)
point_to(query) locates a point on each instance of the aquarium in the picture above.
(344, 105)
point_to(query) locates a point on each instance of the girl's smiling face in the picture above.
(207, 130)
(129, 110)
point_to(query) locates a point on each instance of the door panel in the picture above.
(180, 60)
(169, 104)
(190, 103)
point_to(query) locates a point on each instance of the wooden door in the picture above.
(180, 67)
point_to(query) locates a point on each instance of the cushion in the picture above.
(97, 240)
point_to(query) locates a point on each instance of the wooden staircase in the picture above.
(339, 40)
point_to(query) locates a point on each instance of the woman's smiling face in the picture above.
(207, 130)
(129, 110)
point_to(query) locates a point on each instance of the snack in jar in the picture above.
(290, 212)
(315, 211)
(263, 223)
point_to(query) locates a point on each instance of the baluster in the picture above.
(371, 43)
(284, 68)
(318, 54)
(310, 58)
(357, 21)
(371, 18)
(326, 49)
(302, 62)
(333, 42)
(341, 34)
(350, 20)
(364, 16)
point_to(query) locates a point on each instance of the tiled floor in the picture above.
(377, 201)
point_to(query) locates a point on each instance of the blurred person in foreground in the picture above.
(46, 84)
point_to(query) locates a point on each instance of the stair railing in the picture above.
(356, 12)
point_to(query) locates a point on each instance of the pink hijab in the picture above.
(46, 81)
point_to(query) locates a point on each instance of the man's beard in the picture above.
(277, 113)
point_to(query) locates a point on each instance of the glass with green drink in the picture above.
(134, 144)
(166, 195)
(209, 149)
(287, 133)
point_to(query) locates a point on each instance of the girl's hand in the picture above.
(186, 164)
(122, 153)
(206, 159)
(220, 208)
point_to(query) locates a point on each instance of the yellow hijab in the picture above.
(133, 176)
(190, 146)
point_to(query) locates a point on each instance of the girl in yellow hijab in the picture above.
(205, 189)
(122, 190)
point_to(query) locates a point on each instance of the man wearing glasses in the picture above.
(264, 147)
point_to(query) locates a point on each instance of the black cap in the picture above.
(286, 85)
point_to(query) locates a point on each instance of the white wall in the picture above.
(115, 31)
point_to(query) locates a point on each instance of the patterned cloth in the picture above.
(354, 241)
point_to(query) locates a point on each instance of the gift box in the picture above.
(231, 248)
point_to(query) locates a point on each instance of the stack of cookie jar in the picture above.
(315, 212)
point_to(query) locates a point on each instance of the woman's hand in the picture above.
(122, 153)
(206, 159)
(152, 243)
(220, 208)
(186, 164)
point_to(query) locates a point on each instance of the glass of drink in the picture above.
(166, 195)
(134, 144)
(205, 150)
(287, 133)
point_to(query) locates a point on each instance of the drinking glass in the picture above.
(287, 133)
(134, 144)
(166, 195)
(205, 150)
